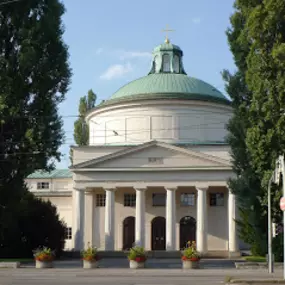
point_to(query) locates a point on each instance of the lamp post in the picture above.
(270, 259)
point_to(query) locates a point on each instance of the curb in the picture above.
(255, 281)
(9, 264)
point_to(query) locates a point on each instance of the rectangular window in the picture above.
(129, 200)
(187, 199)
(42, 185)
(68, 233)
(158, 199)
(216, 199)
(100, 200)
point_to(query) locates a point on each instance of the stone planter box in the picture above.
(44, 264)
(189, 264)
(90, 264)
(135, 265)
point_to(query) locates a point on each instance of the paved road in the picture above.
(124, 276)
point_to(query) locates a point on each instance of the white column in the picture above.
(140, 217)
(202, 221)
(232, 211)
(78, 219)
(89, 219)
(110, 219)
(170, 219)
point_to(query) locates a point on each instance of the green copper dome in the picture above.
(167, 79)
(176, 86)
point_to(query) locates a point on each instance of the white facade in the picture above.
(128, 171)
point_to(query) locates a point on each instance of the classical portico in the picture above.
(85, 222)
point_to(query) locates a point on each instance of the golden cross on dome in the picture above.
(166, 31)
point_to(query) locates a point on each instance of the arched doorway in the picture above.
(158, 233)
(128, 232)
(187, 230)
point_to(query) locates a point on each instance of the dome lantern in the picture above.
(167, 58)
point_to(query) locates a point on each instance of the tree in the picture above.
(265, 77)
(246, 185)
(257, 41)
(34, 78)
(38, 225)
(81, 129)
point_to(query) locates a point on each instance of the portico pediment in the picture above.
(155, 155)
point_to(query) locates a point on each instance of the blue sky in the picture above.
(110, 44)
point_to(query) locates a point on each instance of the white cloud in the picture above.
(116, 71)
(123, 54)
(196, 20)
(98, 51)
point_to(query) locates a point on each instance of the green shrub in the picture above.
(277, 248)
(30, 224)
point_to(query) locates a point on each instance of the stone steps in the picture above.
(151, 254)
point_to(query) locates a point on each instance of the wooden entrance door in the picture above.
(128, 232)
(158, 233)
(187, 230)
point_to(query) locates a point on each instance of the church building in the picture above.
(156, 168)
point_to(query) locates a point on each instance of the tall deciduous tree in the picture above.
(266, 79)
(246, 185)
(34, 78)
(257, 41)
(81, 130)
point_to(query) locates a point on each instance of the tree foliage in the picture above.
(81, 129)
(266, 79)
(246, 184)
(35, 223)
(34, 78)
(257, 41)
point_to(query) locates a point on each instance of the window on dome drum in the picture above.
(100, 200)
(68, 233)
(216, 199)
(42, 185)
(129, 200)
(176, 64)
(187, 199)
(158, 199)
(155, 64)
(166, 63)
(155, 160)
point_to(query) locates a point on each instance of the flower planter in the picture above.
(191, 264)
(135, 265)
(44, 264)
(89, 264)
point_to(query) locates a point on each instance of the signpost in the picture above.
(282, 204)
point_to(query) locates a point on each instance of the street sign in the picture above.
(282, 204)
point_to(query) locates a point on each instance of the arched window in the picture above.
(166, 63)
(176, 64)
(156, 64)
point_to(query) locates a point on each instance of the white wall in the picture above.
(63, 204)
(168, 121)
